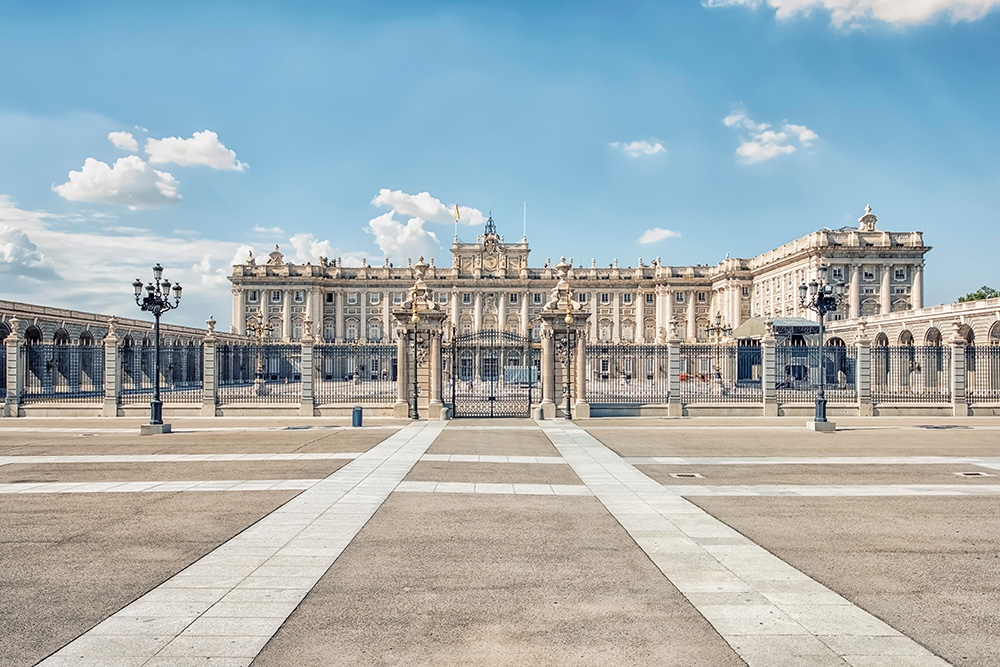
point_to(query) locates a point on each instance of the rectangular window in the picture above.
(605, 297)
(329, 297)
(513, 298)
(252, 296)
(276, 297)
(442, 297)
(869, 275)
(466, 298)
(746, 291)
(581, 297)
(650, 297)
(900, 274)
(352, 298)
(702, 297)
(626, 298)
(397, 298)
(374, 298)
(536, 298)
(679, 297)
(837, 274)
(299, 296)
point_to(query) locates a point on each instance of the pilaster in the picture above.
(768, 377)
(210, 373)
(863, 373)
(15, 379)
(307, 372)
(674, 406)
(959, 401)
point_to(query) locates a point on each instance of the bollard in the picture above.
(356, 416)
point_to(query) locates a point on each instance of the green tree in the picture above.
(983, 292)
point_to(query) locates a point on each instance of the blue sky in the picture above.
(731, 126)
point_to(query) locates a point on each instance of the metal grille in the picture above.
(720, 374)
(911, 374)
(492, 374)
(798, 368)
(181, 378)
(628, 374)
(982, 366)
(349, 373)
(259, 374)
(63, 373)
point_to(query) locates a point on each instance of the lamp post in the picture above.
(356, 345)
(717, 330)
(567, 360)
(259, 328)
(822, 298)
(415, 319)
(156, 301)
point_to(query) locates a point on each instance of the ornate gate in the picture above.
(493, 374)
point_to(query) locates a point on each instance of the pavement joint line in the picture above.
(178, 458)
(683, 541)
(319, 522)
(985, 461)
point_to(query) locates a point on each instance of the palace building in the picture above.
(491, 285)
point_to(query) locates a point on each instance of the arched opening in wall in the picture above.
(628, 330)
(4, 331)
(61, 337)
(932, 337)
(465, 326)
(32, 335)
(966, 332)
(881, 340)
(905, 338)
(490, 322)
(513, 323)
(604, 330)
(86, 339)
(993, 338)
(375, 332)
(836, 342)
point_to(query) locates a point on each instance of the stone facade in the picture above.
(490, 285)
(975, 322)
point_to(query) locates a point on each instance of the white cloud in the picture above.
(203, 148)
(124, 141)
(760, 142)
(400, 241)
(130, 182)
(637, 148)
(655, 235)
(19, 257)
(428, 208)
(267, 230)
(854, 13)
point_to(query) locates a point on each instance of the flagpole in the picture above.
(525, 235)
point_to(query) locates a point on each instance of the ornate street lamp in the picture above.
(356, 345)
(718, 330)
(259, 328)
(822, 298)
(156, 301)
(415, 318)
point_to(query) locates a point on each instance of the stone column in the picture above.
(524, 312)
(668, 323)
(316, 312)
(959, 400)
(306, 371)
(769, 375)
(855, 298)
(885, 297)
(477, 313)
(286, 315)
(582, 408)
(593, 314)
(239, 326)
(501, 310)
(863, 374)
(339, 315)
(386, 318)
(692, 322)
(674, 406)
(547, 409)
(363, 318)
(616, 315)
(917, 291)
(112, 372)
(401, 408)
(454, 312)
(640, 317)
(210, 373)
(435, 407)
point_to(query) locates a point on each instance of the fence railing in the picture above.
(60, 373)
(628, 374)
(181, 373)
(364, 374)
(799, 369)
(3, 370)
(720, 374)
(259, 374)
(917, 374)
(982, 372)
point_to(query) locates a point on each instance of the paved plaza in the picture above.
(500, 542)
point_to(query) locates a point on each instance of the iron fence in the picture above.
(181, 373)
(362, 373)
(3, 370)
(259, 374)
(720, 374)
(911, 374)
(62, 373)
(798, 372)
(982, 367)
(628, 374)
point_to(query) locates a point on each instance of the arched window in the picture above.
(60, 337)
(32, 335)
(905, 338)
(932, 337)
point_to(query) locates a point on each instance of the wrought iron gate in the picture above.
(492, 374)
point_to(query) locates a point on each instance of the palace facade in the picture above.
(491, 285)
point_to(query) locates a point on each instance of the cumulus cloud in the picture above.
(399, 241)
(854, 13)
(655, 235)
(130, 182)
(428, 208)
(203, 148)
(124, 141)
(637, 148)
(760, 142)
(20, 257)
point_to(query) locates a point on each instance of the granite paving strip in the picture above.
(179, 458)
(257, 576)
(495, 489)
(159, 486)
(768, 611)
(987, 461)
(838, 490)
